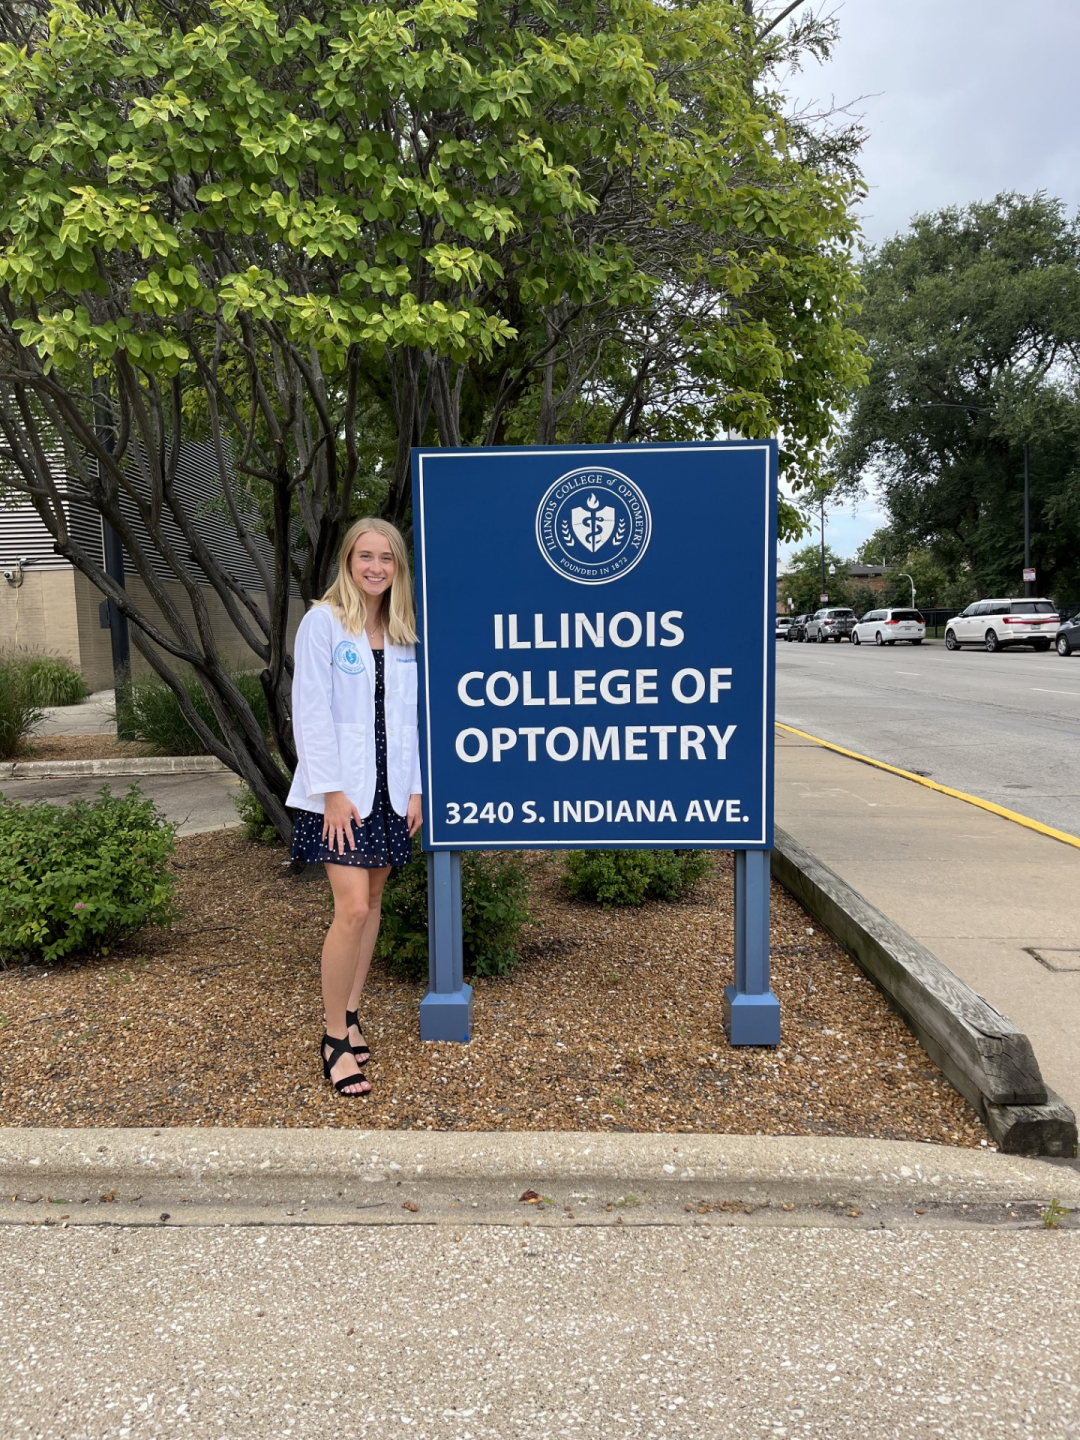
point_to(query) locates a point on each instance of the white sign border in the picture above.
(768, 605)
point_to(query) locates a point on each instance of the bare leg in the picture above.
(376, 882)
(339, 958)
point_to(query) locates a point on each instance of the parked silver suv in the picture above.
(996, 624)
(834, 623)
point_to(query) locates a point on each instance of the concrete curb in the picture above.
(148, 765)
(988, 1058)
(235, 1159)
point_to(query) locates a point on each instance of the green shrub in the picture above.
(77, 878)
(631, 877)
(46, 679)
(148, 710)
(19, 712)
(403, 934)
(494, 907)
(258, 828)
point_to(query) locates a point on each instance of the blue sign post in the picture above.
(597, 672)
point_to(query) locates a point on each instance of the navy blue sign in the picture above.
(597, 645)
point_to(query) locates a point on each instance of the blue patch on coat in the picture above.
(347, 658)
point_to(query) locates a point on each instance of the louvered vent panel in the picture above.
(199, 490)
(22, 533)
(85, 525)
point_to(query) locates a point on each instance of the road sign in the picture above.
(1029, 574)
(597, 645)
(823, 599)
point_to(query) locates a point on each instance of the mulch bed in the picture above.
(83, 747)
(612, 1021)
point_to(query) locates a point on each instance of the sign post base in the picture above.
(446, 1009)
(751, 1019)
(447, 1017)
(751, 1010)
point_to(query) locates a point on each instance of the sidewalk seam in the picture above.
(999, 810)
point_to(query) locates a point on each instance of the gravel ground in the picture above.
(611, 1021)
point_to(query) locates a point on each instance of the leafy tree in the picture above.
(802, 584)
(882, 547)
(939, 581)
(863, 597)
(973, 324)
(318, 236)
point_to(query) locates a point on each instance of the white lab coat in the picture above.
(333, 702)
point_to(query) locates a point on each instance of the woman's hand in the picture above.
(414, 815)
(337, 821)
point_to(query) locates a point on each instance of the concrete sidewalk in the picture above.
(237, 1284)
(978, 890)
(195, 801)
(96, 715)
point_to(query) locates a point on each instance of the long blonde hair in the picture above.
(348, 601)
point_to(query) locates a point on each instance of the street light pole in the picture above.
(823, 591)
(903, 575)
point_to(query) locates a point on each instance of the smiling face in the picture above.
(371, 565)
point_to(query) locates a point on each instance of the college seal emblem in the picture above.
(593, 525)
(347, 657)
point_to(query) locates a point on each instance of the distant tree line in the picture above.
(972, 319)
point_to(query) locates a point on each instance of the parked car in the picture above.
(797, 629)
(830, 624)
(886, 627)
(1068, 637)
(782, 626)
(997, 624)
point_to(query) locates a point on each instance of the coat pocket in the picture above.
(353, 743)
(405, 684)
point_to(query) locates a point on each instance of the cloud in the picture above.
(846, 525)
(963, 99)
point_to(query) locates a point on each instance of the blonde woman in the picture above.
(357, 782)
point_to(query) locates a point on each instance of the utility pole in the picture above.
(1028, 585)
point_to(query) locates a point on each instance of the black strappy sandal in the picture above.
(362, 1053)
(337, 1049)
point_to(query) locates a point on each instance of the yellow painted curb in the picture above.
(1024, 820)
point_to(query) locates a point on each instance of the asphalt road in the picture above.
(1005, 727)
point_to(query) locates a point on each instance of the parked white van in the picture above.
(886, 627)
(996, 624)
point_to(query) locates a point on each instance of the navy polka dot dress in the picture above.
(383, 839)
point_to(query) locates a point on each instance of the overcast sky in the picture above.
(962, 99)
